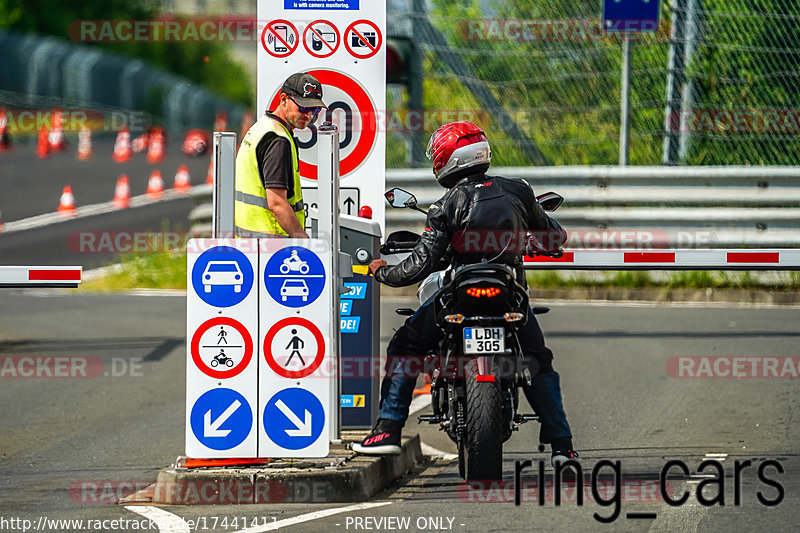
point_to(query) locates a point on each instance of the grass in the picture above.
(158, 270)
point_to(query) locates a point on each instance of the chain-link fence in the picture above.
(717, 84)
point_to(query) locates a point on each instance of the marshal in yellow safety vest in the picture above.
(252, 217)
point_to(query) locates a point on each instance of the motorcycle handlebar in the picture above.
(394, 247)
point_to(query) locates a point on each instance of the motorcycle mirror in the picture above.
(550, 201)
(400, 198)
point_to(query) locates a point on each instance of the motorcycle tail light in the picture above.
(454, 319)
(477, 292)
(513, 317)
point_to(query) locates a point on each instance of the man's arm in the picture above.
(284, 214)
(427, 252)
(275, 157)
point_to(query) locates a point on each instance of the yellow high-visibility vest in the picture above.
(252, 217)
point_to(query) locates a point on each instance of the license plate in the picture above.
(484, 340)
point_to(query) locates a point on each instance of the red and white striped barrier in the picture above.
(684, 259)
(40, 276)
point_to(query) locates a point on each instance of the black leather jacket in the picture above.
(480, 217)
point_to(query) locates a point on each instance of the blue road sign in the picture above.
(631, 15)
(221, 419)
(294, 418)
(294, 276)
(222, 276)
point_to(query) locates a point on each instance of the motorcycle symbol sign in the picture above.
(294, 276)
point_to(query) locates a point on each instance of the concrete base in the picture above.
(343, 476)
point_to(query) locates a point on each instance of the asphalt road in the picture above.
(624, 400)
(30, 186)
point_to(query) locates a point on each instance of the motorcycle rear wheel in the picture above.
(484, 433)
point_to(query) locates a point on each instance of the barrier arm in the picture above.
(40, 276)
(670, 259)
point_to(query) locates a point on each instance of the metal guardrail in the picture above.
(632, 207)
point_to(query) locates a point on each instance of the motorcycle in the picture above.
(477, 369)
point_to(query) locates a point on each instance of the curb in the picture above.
(342, 476)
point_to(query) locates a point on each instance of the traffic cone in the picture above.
(221, 121)
(183, 182)
(43, 147)
(1, 223)
(155, 185)
(66, 207)
(85, 144)
(155, 152)
(210, 173)
(425, 389)
(140, 143)
(55, 139)
(5, 140)
(122, 148)
(122, 193)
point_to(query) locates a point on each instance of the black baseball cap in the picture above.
(305, 89)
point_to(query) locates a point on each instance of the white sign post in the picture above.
(343, 44)
(296, 357)
(222, 360)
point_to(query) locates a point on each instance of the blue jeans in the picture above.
(419, 336)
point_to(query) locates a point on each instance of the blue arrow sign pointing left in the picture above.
(221, 419)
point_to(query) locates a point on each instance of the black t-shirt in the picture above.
(274, 154)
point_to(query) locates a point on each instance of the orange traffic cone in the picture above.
(425, 389)
(155, 152)
(43, 147)
(122, 148)
(140, 143)
(210, 174)
(183, 182)
(122, 193)
(221, 121)
(5, 140)
(85, 143)
(66, 207)
(155, 185)
(1, 223)
(55, 139)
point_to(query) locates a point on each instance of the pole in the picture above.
(224, 154)
(675, 80)
(328, 226)
(624, 126)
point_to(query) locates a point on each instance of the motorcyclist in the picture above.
(482, 205)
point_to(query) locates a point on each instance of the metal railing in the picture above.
(631, 207)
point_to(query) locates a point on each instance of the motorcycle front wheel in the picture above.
(483, 442)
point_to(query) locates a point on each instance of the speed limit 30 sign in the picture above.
(344, 46)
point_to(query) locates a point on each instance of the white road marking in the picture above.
(166, 521)
(279, 524)
(430, 451)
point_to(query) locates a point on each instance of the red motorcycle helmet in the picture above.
(458, 149)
